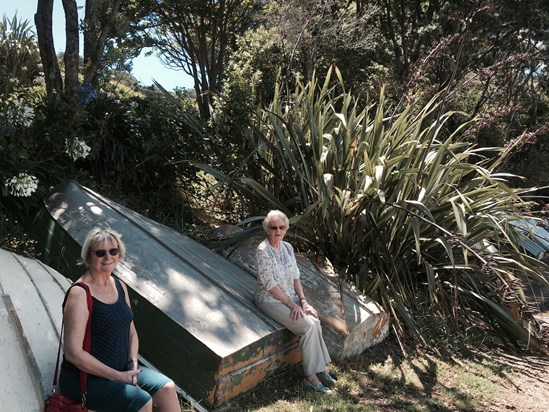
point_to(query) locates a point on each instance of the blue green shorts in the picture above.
(111, 396)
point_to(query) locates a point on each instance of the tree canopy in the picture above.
(196, 36)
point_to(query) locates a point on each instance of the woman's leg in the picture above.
(322, 345)
(166, 399)
(161, 388)
(314, 354)
(148, 407)
(111, 396)
(313, 349)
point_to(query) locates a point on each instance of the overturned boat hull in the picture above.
(30, 321)
(193, 309)
(351, 322)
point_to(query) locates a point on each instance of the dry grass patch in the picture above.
(382, 379)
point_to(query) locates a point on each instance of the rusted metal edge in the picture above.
(290, 352)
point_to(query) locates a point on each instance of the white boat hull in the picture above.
(30, 321)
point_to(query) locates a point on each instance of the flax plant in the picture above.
(405, 209)
(19, 56)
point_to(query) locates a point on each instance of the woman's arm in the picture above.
(302, 300)
(75, 317)
(134, 341)
(266, 275)
(296, 311)
(132, 357)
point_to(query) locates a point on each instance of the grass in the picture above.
(382, 379)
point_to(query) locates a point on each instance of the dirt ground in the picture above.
(383, 380)
(520, 383)
(528, 388)
(481, 379)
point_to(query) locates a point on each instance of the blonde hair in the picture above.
(98, 236)
(273, 214)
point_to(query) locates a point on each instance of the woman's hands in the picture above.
(308, 309)
(300, 311)
(129, 377)
(296, 311)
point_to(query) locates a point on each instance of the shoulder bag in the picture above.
(57, 402)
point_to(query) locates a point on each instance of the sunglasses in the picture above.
(278, 227)
(102, 252)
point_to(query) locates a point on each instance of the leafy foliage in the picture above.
(30, 158)
(137, 136)
(489, 56)
(407, 210)
(37, 141)
(196, 36)
(19, 57)
(249, 83)
(310, 36)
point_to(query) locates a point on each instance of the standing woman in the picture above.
(279, 294)
(114, 381)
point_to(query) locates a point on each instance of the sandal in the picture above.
(330, 381)
(319, 387)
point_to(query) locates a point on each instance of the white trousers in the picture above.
(314, 353)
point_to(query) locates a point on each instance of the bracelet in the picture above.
(132, 360)
(302, 299)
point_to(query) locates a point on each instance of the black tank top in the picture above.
(110, 332)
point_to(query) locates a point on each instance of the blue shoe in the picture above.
(328, 379)
(319, 387)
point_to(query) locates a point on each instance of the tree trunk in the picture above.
(72, 57)
(43, 21)
(95, 33)
(196, 35)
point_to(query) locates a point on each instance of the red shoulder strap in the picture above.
(86, 345)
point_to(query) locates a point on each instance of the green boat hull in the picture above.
(193, 309)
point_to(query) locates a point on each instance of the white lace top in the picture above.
(275, 267)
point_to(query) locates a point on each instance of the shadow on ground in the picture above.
(380, 379)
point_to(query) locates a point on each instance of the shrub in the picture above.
(19, 56)
(406, 210)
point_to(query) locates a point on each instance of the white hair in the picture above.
(274, 214)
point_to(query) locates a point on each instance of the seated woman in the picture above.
(280, 295)
(114, 381)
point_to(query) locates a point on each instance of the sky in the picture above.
(145, 69)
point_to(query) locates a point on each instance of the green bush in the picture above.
(39, 139)
(19, 56)
(136, 137)
(406, 210)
